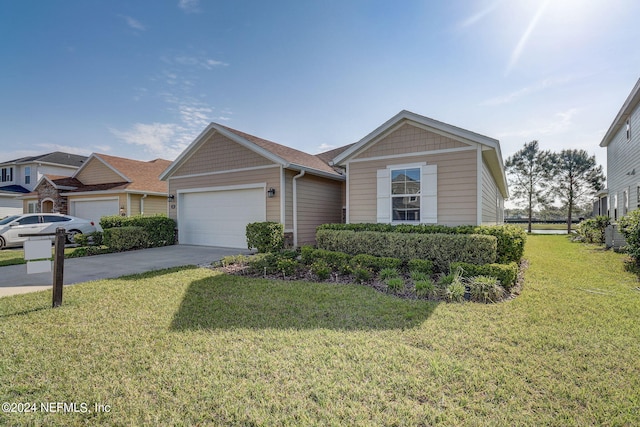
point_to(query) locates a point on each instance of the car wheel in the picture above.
(2, 243)
(71, 236)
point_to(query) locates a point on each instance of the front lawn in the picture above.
(192, 346)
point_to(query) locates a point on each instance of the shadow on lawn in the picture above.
(231, 302)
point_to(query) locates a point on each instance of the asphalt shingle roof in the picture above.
(57, 157)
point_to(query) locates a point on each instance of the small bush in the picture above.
(361, 275)
(485, 289)
(455, 291)
(287, 266)
(321, 269)
(126, 238)
(417, 276)
(592, 230)
(81, 239)
(630, 229)
(424, 287)
(507, 274)
(395, 284)
(375, 263)
(422, 265)
(388, 273)
(263, 263)
(510, 241)
(336, 260)
(87, 251)
(160, 229)
(95, 238)
(240, 260)
(265, 236)
(307, 254)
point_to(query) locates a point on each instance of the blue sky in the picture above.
(141, 79)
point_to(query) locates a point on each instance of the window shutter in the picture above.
(429, 199)
(384, 196)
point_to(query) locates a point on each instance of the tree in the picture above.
(577, 178)
(530, 171)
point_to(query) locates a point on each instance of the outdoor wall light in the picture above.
(171, 197)
(271, 192)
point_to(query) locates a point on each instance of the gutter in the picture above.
(295, 208)
(144, 196)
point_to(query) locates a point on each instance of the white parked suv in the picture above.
(13, 226)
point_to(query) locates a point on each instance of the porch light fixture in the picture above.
(271, 192)
(171, 197)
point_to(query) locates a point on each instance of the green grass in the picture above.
(191, 346)
(16, 256)
(541, 226)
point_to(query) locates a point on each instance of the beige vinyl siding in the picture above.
(288, 198)
(623, 158)
(409, 139)
(490, 194)
(96, 172)
(153, 205)
(319, 202)
(219, 153)
(457, 186)
(270, 176)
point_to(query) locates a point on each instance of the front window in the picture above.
(7, 174)
(405, 194)
(32, 207)
(27, 175)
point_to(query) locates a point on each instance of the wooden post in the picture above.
(58, 266)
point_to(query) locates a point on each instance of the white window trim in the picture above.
(391, 195)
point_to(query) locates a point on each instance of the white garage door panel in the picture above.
(95, 209)
(219, 218)
(10, 206)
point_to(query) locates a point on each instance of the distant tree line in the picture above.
(541, 179)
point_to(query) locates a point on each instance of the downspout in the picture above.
(295, 208)
(144, 196)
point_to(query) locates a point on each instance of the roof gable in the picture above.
(55, 158)
(627, 108)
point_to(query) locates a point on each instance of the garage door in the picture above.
(219, 218)
(94, 209)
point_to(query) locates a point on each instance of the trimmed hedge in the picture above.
(161, 230)
(510, 238)
(265, 236)
(121, 239)
(441, 249)
(375, 263)
(507, 274)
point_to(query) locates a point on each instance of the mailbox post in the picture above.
(58, 266)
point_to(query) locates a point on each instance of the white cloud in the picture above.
(159, 139)
(324, 147)
(206, 63)
(189, 6)
(134, 23)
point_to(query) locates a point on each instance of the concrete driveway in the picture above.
(15, 280)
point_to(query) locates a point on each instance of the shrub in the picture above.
(81, 239)
(87, 251)
(592, 230)
(321, 269)
(417, 276)
(485, 289)
(425, 287)
(507, 274)
(440, 249)
(307, 254)
(287, 266)
(375, 263)
(228, 260)
(361, 275)
(265, 236)
(395, 284)
(126, 238)
(422, 265)
(388, 273)
(160, 229)
(336, 260)
(510, 238)
(630, 229)
(263, 263)
(455, 291)
(95, 238)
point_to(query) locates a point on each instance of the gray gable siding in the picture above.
(623, 158)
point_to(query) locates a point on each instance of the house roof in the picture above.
(286, 156)
(627, 108)
(137, 176)
(13, 189)
(491, 147)
(57, 158)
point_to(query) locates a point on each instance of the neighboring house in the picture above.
(412, 169)
(20, 176)
(104, 185)
(622, 141)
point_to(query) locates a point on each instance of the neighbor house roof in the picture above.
(286, 156)
(627, 108)
(136, 176)
(17, 189)
(56, 158)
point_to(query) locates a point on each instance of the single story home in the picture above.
(104, 185)
(411, 169)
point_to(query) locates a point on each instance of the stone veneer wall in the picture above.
(47, 191)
